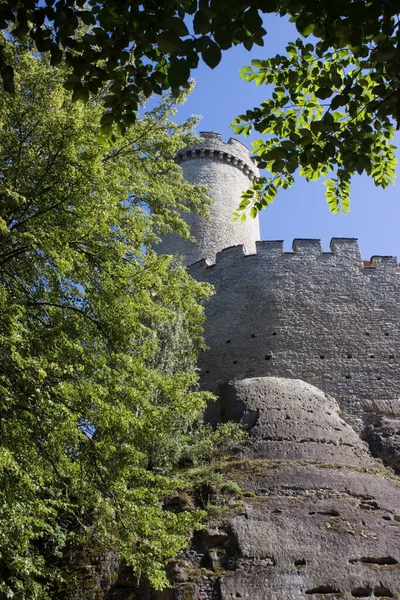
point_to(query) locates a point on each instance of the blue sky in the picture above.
(300, 212)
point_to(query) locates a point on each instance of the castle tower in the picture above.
(227, 170)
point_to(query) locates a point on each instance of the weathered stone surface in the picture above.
(389, 407)
(383, 437)
(291, 419)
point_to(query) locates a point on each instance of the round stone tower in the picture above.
(227, 170)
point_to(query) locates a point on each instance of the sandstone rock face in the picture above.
(292, 420)
(383, 436)
(320, 518)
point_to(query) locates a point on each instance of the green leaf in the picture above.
(177, 25)
(178, 73)
(129, 119)
(275, 153)
(323, 93)
(260, 79)
(305, 133)
(337, 101)
(288, 145)
(201, 22)
(329, 119)
(253, 212)
(292, 164)
(121, 128)
(329, 150)
(269, 6)
(101, 333)
(252, 20)
(212, 55)
(224, 38)
(81, 93)
(107, 119)
(318, 126)
(56, 55)
(87, 17)
(7, 76)
(169, 42)
(305, 25)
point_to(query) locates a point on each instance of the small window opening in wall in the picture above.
(322, 356)
(349, 356)
(386, 333)
(372, 355)
(207, 372)
(391, 356)
(348, 375)
(234, 362)
(268, 356)
(253, 335)
(367, 333)
(228, 341)
(378, 378)
(274, 333)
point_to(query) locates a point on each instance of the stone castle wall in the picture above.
(322, 317)
(227, 171)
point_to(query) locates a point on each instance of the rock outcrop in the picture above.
(320, 518)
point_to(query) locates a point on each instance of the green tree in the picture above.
(92, 406)
(346, 85)
(330, 115)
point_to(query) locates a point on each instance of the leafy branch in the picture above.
(301, 136)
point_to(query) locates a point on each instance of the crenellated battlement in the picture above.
(212, 147)
(345, 250)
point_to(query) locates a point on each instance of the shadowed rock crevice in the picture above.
(322, 590)
(370, 560)
(383, 436)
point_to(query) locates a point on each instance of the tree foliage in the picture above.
(326, 117)
(137, 48)
(346, 85)
(335, 104)
(95, 401)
